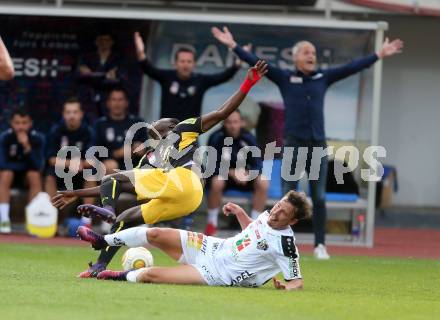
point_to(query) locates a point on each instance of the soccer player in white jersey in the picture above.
(264, 247)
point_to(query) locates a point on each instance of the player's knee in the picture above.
(154, 235)
(6, 177)
(34, 178)
(217, 185)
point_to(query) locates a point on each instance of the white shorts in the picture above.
(198, 251)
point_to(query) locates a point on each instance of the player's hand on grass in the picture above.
(224, 36)
(296, 284)
(232, 208)
(63, 198)
(278, 284)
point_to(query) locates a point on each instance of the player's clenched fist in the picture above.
(232, 208)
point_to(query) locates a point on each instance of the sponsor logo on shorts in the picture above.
(243, 276)
(208, 275)
(262, 245)
(215, 247)
(198, 241)
(293, 268)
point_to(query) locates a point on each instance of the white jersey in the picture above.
(257, 254)
(249, 259)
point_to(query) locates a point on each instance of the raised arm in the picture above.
(225, 37)
(254, 74)
(388, 49)
(243, 219)
(147, 67)
(6, 65)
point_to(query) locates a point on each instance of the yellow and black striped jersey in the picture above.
(179, 147)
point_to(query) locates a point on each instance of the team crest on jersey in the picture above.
(174, 87)
(13, 150)
(110, 134)
(191, 90)
(64, 141)
(262, 245)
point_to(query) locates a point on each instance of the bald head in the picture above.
(304, 56)
(162, 127)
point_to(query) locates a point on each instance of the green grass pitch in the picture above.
(38, 282)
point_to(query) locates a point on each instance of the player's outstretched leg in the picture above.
(90, 210)
(96, 240)
(183, 274)
(112, 275)
(129, 218)
(110, 190)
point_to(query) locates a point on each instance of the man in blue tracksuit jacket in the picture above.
(21, 157)
(303, 92)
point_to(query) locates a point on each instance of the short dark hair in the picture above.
(118, 89)
(102, 33)
(72, 99)
(302, 207)
(238, 111)
(176, 55)
(21, 112)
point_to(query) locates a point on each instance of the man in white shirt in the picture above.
(265, 247)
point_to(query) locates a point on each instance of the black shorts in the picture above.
(231, 184)
(20, 179)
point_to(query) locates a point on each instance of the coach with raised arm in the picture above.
(182, 88)
(303, 91)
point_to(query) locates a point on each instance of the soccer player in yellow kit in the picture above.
(173, 188)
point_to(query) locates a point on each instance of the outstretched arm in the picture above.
(243, 219)
(63, 198)
(225, 37)
(146, 65)
(6, 65)
(254, 74)
(388, 49)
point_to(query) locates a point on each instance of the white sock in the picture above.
(105, 227)
(4, 212)
(213, 216)
(86, 221)
(255, 214)
(133, 237)
(132, 275)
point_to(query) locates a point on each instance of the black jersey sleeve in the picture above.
(188, 130)
(190, 125)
